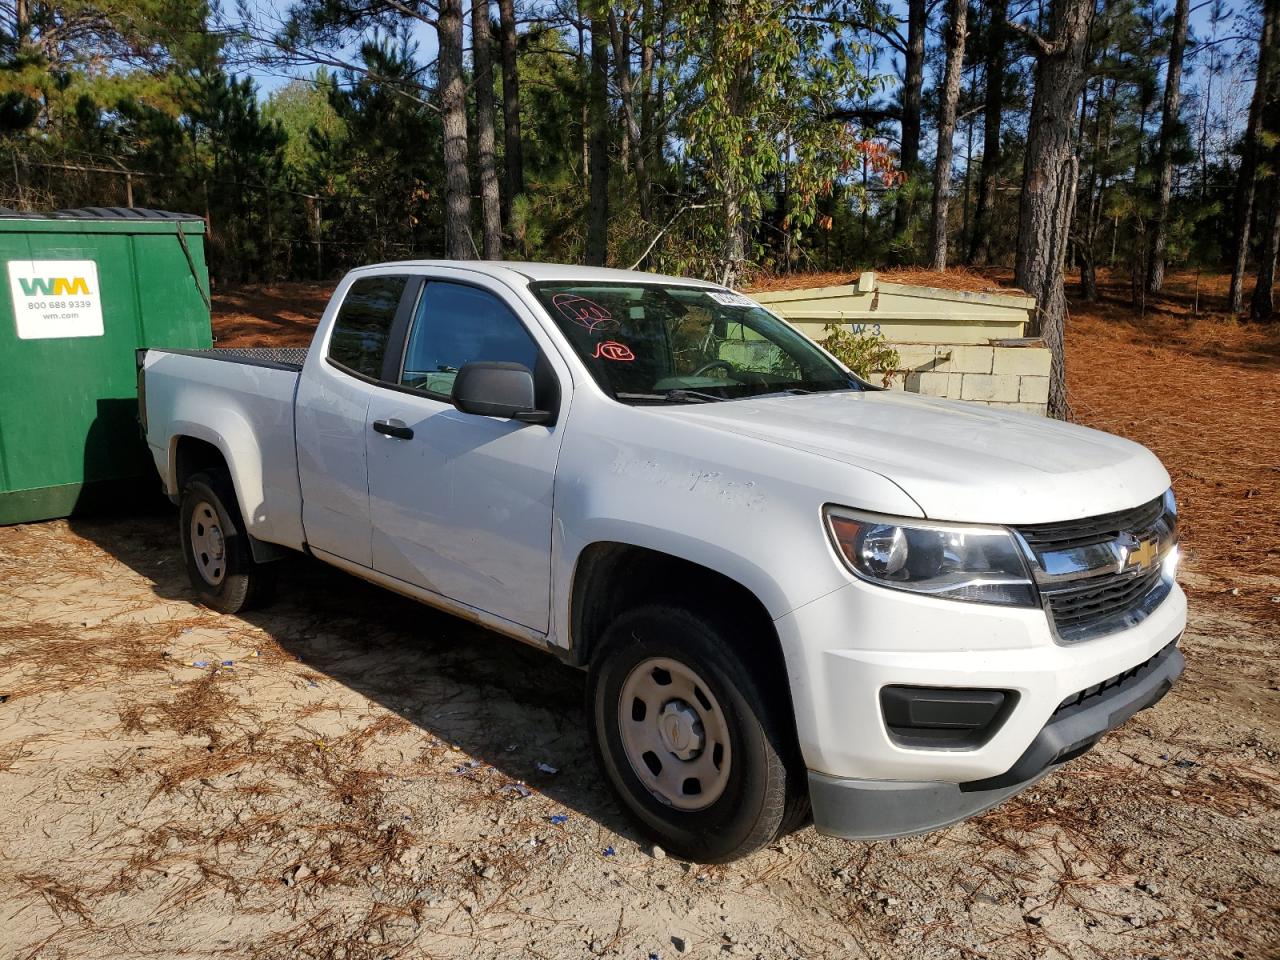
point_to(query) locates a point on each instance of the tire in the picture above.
(216, 547)
(729, 777)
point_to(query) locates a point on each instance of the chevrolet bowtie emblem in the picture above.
(1137, 554)
(1146, 554)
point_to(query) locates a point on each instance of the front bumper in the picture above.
(877, 809)
(843, 648)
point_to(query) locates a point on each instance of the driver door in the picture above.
(461, 504)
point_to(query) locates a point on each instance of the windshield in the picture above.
(652, 342)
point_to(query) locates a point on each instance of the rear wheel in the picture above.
(216, 547)
(695, 744)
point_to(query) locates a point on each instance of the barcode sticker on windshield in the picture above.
(727, 299)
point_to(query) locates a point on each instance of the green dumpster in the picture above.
(82, 290)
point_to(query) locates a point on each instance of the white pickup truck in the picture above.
(794, 594)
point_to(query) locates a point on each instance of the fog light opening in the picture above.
(941, 718)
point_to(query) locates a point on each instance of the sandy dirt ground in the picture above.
(346, 774)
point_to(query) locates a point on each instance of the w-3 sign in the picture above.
(55, 298)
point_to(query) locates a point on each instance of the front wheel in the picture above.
(216, 547)
(698, 748)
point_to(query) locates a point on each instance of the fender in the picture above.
(729, 503)
(233, 438)
(740, 569)
(263, 550)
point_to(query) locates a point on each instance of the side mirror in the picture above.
(492, 389)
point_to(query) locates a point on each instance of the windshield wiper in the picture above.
(677, 395)
(696, 396)
(785, 392)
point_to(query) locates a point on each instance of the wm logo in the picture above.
(54, 286)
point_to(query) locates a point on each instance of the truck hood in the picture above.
(958, 461)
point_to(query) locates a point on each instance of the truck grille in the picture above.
(1099, 599)
(1103, 574)
(1091, 530)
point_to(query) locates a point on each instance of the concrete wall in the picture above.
(1012, 374)
(954, 344)
(903, 313)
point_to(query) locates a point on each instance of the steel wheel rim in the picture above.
(675, 734)
(208, 544)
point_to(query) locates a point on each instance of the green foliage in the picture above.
(304, 111)
(239, 160)
(759, 82)
(107, 51)
(546, 222)
(866, 354)
(526, 225)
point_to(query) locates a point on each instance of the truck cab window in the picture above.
(457, 324)
(363, 324)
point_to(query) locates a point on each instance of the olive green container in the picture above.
(82, 290)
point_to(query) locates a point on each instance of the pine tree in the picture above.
(1049, 177)
(957, 31)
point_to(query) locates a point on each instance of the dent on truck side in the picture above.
(740, 507)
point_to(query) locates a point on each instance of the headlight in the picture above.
(950, 561)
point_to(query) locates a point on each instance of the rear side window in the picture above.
(457, 324)
(363, 325)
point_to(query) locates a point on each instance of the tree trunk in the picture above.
(584, 78)
(646, 77)
(992, 119)
(658, 123)
(622, 70)
(490, 199)
(513, 149)
(1088, 275)
(624, 42)
(912, 100)
(1168, 132)
(598, 108)
(1098, 183)
(453, 110)
(1049, 180)
(1246, 181)
(1084, 235)
(734, 253)
(968, 174)
(1262, 307)
(957, 30)
(733, 191)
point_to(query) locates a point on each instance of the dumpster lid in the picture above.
(97, 213)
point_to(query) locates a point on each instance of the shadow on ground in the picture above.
(505, 704)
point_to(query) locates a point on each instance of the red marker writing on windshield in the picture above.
(612, 350)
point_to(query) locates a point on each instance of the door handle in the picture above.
(393, 428)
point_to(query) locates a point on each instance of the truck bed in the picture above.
(239, 401)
